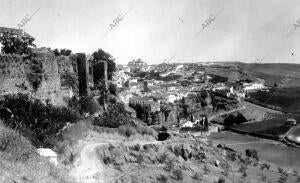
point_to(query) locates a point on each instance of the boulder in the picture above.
(49, 154)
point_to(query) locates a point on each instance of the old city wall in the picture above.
(14, 70)
(12, 75)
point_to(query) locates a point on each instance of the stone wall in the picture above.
(12, 74)
(13, 77)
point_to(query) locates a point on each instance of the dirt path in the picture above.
(88, 168)
(226, 112)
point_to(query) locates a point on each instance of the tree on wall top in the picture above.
(12, 43)
(65, 52)
(99, 68)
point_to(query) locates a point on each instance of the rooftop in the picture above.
(14, 31)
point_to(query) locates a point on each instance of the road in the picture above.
(226, 112)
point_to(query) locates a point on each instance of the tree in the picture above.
(115, 116)
(56, 52)
(13, 43)
(64, 52)
(99, 68)
(112, 88)
(184, 108)
(232, 119)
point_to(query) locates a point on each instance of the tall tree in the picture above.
(12, 43)
(99, 68)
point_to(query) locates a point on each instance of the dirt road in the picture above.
(226, 112)
(88, 168)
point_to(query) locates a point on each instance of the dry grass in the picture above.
(19, 161)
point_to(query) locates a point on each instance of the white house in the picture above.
(253, 86)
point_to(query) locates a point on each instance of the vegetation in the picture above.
(16, 147)
(282, 99)
(115, 116)
(21, 163)
(232, 119)
(64, 52)
(15, 44)
(37, 121)
(99, 68)
(252, 153)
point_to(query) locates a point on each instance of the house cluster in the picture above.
(137, 65)
(238, 89)
(147, 103)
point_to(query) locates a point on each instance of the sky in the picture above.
(164, 30)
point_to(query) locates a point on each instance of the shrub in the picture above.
(198, 176)
(115, 116)
(37, 121)
(221, 180)
(127, 130)
(231, 156)
(178, 175)
(12, 43)
(206, 169)
(298, 179)
(252, 153)
(234, 119)
(283, 175)
(170, 164)
(243, 170)
(162, 178)
(145, 130)
(112, 88)
(15, 146)
(162, 158)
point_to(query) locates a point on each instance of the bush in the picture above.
(15, 146)
(252, 153)
(162, 178)
(197, 176)
(115, 116)
(37, 121)
(126, 130)
(112, 88)
(232, 119)
(170, 164)
(221, 180)
(145, 130)
(178, 175)
(12, 43)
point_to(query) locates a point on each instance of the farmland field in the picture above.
(288, 99)
(268, 150)
(272, 127)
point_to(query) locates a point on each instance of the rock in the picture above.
(48, 153)
(217, 163)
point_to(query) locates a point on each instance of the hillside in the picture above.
(274, 72)
(270, 72)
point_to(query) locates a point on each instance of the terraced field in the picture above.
(288, 99)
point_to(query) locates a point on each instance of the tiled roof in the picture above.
(14, 31)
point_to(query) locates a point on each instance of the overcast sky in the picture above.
(158, 30)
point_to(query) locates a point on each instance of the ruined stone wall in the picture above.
(67, 64)
(13, 77)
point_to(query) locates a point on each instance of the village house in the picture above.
(137, 65)
(147, 103)
(256, 85)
